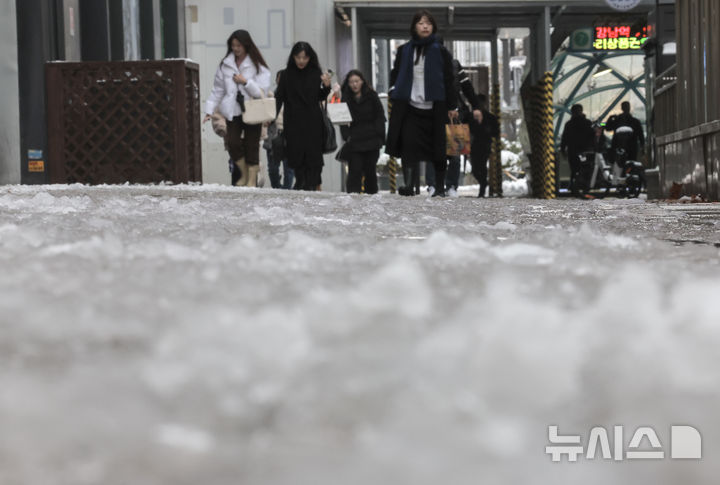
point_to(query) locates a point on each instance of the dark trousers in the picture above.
(452, 176)
(479, 155)
(574, 162)
(242, 141)
(452, 179)
(276, 181)
(362, 164)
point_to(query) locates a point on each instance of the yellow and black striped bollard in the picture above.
(392, 163)
(547, 137)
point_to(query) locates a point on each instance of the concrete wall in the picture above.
(275, 26)
(9, 101)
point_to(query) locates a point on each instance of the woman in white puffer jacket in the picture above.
(243, 74)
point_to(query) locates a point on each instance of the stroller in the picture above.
(595, 175)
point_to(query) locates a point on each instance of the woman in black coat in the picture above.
(423, 98)
(365, 135)
(302, 87)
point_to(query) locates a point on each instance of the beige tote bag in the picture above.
(259, 111)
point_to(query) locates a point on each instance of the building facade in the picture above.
(39, 31)
(275, 26)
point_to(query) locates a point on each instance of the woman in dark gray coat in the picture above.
(302, 87)
(365, 135)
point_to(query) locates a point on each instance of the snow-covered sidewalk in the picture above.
(214, 335)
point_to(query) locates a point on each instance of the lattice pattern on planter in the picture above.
(116, 122)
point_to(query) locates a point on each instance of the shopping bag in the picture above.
(339, 113)
(259, 111)
(458, 139)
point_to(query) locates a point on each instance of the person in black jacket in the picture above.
(629, 143)
(365, 135)
(423, 98)
(470, 111)
(484, 126)
(302, 87)
(578, 137)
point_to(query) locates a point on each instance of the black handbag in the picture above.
(343, 155)
(329, 136)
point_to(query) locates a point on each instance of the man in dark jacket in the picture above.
(484, 126)
(578, 137)
(468, 104)
(637, 137)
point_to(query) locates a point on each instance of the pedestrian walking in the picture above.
(423, 98)
(301, 88)
(242, 74)
(578, 137)
(635, 135)
(275, 148)
(484, 127)
(365, 135)
(469, 110)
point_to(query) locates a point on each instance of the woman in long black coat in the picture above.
(302, 87)
(423, 98)
(365, 135)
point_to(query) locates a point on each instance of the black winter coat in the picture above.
(394, 143)
(301, 91)
(578, 136)
(483, 133)
(626, 119)
(367, 130)
(465, 93)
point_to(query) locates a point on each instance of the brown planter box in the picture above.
(128, 121)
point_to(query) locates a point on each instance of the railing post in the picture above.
(495, 172)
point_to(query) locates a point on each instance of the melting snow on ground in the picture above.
(206, 334)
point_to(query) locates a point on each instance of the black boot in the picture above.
(482, 191)
(408, 173)
(439, 184)
(407, 191)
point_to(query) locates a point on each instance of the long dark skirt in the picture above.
(418, 140)
(416, 136)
